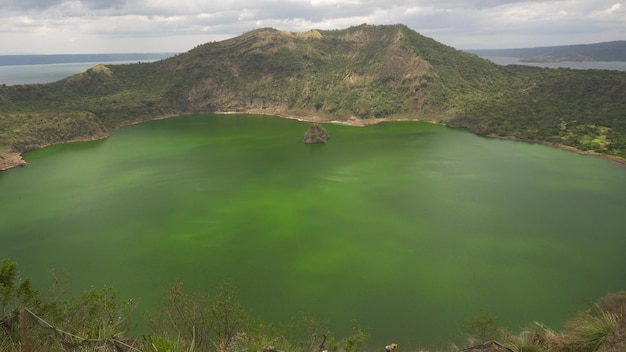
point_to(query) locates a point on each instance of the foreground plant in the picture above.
(199, 319)
(201, 322)
(588, 330)
(535, 338)
(482, 328)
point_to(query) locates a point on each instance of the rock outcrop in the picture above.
(316, 134)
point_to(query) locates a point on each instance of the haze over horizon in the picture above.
(117, 26)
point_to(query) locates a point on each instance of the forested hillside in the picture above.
(356, 75)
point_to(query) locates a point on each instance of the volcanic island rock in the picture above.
(316, 134)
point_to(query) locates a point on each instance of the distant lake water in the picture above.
(408, 229)
(591, 65)
(49, 68)
(30, 69)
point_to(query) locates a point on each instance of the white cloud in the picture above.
(48, 26)
(613, 9)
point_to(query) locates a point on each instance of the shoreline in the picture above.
(354, 121)
(10, 159)
(613, 158)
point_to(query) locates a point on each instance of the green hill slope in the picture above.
(356, 75)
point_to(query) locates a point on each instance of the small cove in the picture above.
(407, 228)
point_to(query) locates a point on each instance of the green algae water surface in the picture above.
(407, 229)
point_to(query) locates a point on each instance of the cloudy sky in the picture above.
(114, 26)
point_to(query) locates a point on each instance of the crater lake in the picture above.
(406, 229)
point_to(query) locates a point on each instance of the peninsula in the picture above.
(358, 75)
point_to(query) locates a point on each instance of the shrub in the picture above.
(482, 328)
(97, 313)
(199, 320)
(15, 294)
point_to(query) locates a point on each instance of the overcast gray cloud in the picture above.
(99, 26)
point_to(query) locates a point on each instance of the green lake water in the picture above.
(408, 229)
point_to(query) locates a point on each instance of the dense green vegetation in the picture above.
(581, 109)
(361, 72)
(99, 320)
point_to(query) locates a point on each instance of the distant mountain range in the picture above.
(607, 51)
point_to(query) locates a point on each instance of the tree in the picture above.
(15, 292)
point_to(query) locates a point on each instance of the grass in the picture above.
(588, 330)
(600, 327)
